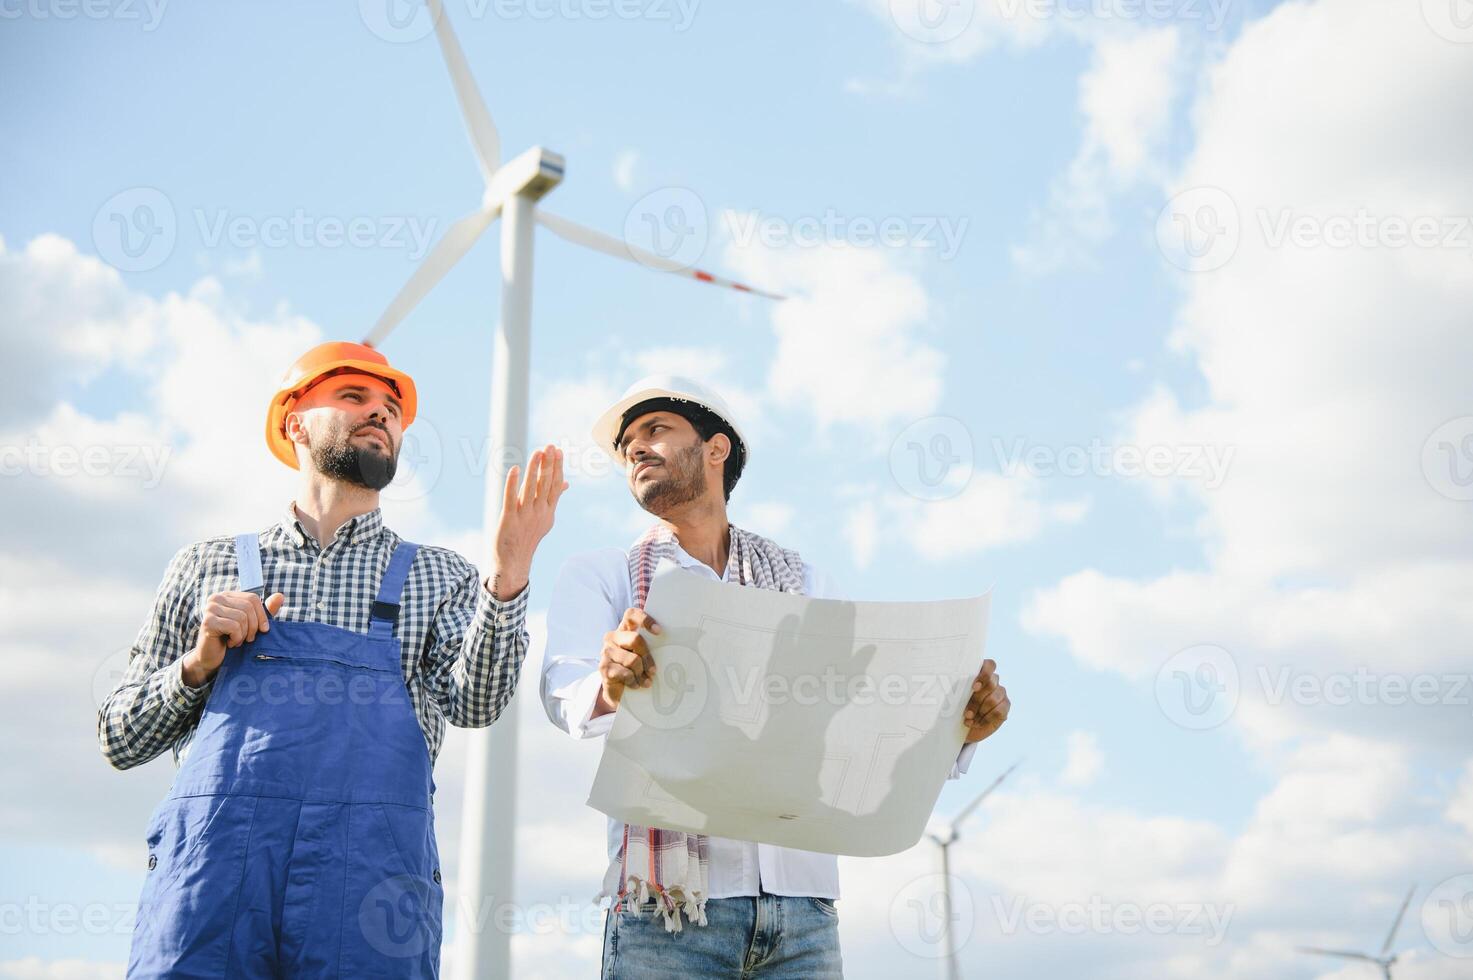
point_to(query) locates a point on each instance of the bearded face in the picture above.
(357, 452)
(662, 482)
(350, 426)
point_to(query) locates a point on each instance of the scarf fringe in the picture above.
(670, 903)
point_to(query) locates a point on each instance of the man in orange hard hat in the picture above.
(303, 676)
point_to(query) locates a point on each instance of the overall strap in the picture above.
(248, 561)
(385, 610)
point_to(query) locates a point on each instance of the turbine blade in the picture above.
(1337, 952)
(484, 139)
(966, 811)
(1391, 936)
(620, 249)
(442, 258)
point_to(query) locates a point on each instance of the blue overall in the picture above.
(298, 839)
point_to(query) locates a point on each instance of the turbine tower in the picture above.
(512, 192)
(943, 837)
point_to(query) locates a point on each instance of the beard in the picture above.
(338, 457)
(678, 481)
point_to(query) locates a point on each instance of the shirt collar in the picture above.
(683, 558)
(361, 527)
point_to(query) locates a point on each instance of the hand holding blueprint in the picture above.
(819, 724)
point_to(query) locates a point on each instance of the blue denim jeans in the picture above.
(770, 937)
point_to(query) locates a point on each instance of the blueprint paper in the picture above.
(819, 724)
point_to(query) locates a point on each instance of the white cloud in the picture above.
(34, 968)
(1325, 857)
(1085, 761)
(1125, 99)
(625, 163)
(69, 318)
(862, 529)
(993, 511)
(246, 267)
(1328, 555)
(1326, 369)
(563, 413)
(1125, 96)
(769, 518)
(861, 317)
(698, 363)
(1460, 807)
(928, 34)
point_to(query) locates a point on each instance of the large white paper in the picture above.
(819, 724)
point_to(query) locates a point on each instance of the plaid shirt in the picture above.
(462, 649)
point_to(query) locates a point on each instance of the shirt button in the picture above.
(437, 876)
(321, 603)
(153, 861)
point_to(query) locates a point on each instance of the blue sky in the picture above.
(1062, 319)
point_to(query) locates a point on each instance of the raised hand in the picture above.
(526, 517)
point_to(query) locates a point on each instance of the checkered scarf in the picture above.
(671, 864)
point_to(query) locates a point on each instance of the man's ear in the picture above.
(296, 428)
(719, 447)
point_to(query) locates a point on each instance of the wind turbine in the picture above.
(512, 190)
(944, 837)
(1381, 959)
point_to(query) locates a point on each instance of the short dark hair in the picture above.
(706, 423)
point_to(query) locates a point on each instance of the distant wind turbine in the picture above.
(1381, 959)
(943, 837)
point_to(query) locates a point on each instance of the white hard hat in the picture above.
(664, 386)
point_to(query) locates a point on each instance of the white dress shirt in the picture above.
(591, 595)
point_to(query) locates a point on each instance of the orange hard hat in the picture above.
(333, 357)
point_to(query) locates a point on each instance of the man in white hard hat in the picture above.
(751, 910)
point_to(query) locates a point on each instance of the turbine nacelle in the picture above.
(531, 173)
